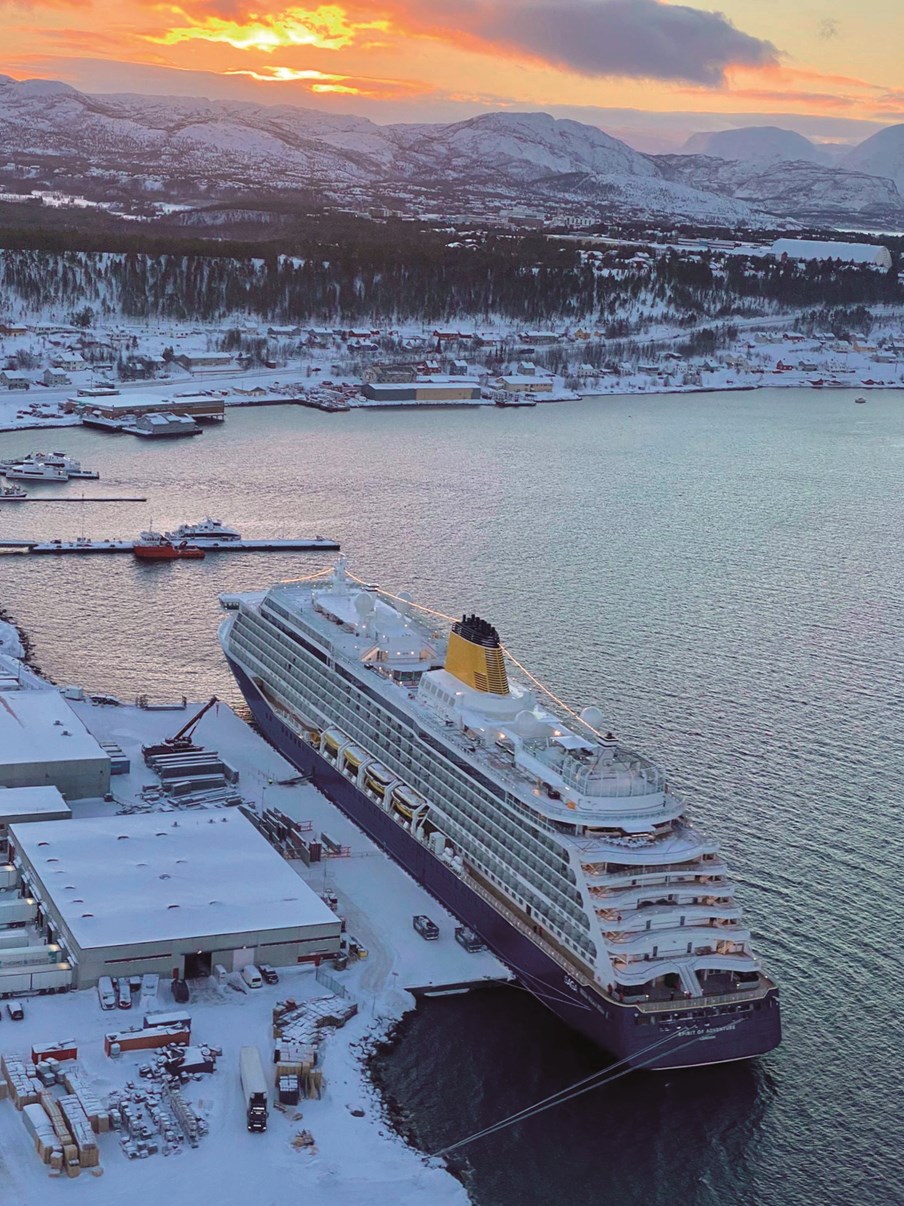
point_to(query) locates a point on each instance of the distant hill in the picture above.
(881, 155)
(755, 145)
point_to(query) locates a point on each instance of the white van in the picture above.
(252, 976)
(105, 993)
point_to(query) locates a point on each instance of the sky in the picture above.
(649, 71)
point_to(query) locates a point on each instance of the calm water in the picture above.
(723, 575)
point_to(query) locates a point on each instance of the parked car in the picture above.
(15, 1010)
(252, 976)
(106, 993)
(425, 927)
(135, 983)
(269, 973)
(123, 993)
(469, 940)
(356, 949)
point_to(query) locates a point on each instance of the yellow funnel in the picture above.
(474, 656)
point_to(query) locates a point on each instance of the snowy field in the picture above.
(356, 1159)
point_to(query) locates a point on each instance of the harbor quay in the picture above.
(227, 905)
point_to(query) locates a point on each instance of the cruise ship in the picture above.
(563, 849)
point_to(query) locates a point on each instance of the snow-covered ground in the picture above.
(357, 1159)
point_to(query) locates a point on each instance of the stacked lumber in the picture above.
(82, 1133)
(70, 1161)
(97, 1115)
(19, 1075)
(150, 1037)
(41, 1130)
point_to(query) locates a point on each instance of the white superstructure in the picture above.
(208, 531)
(560, 823)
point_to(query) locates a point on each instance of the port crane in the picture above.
(181, 742)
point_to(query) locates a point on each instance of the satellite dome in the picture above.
(364, 604)
(594, 717)
(404, 602)
(529, 726)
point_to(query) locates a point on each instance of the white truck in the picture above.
(13, 938)
(55, 977)
(17, 910)
(254, 1087)
(16, 956)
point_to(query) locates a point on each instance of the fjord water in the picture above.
(723, 575)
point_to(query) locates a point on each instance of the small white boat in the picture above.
(12, 494)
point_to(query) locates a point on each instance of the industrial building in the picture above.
(173, 895)
(43, 743)
(437, 392)
(19, 805)
(203, 408)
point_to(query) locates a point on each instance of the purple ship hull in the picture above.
(692, 1034)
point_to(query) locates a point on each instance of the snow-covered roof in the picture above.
(18, 802)
(118, 881)
(819, 249)
(39, 726)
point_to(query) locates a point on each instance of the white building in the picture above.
(171, 895)
(872, 254)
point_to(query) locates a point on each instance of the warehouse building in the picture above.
(440, 393)
(20, 805)
(44, 744)
(150, 893)
(874, 255)
(203, 407)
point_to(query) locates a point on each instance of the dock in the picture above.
(317, 544)
(81, 500)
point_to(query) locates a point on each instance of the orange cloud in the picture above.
(322, 81)
(323, 28)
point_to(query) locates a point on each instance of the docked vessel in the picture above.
(12, 494)
(151, 546)
(35, 471)
(207, 532)
(34, 464)
(562, 849)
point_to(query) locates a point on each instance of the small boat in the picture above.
(12, 494)
(859, 401)
(151, 546)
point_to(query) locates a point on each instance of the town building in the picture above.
(206, 361)
(14, 380)
(525, 385)
(177, 896)
(56, 378)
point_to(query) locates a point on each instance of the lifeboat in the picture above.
(406, 801)
(352, 759)
(330, 743)
(376, 780)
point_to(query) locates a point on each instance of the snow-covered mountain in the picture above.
(881, 155)
(802, 190)
(758, 145)
(191, 149)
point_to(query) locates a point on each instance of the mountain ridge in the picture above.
(193, 148)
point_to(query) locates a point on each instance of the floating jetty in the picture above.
(82, 499)
(317, 544)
